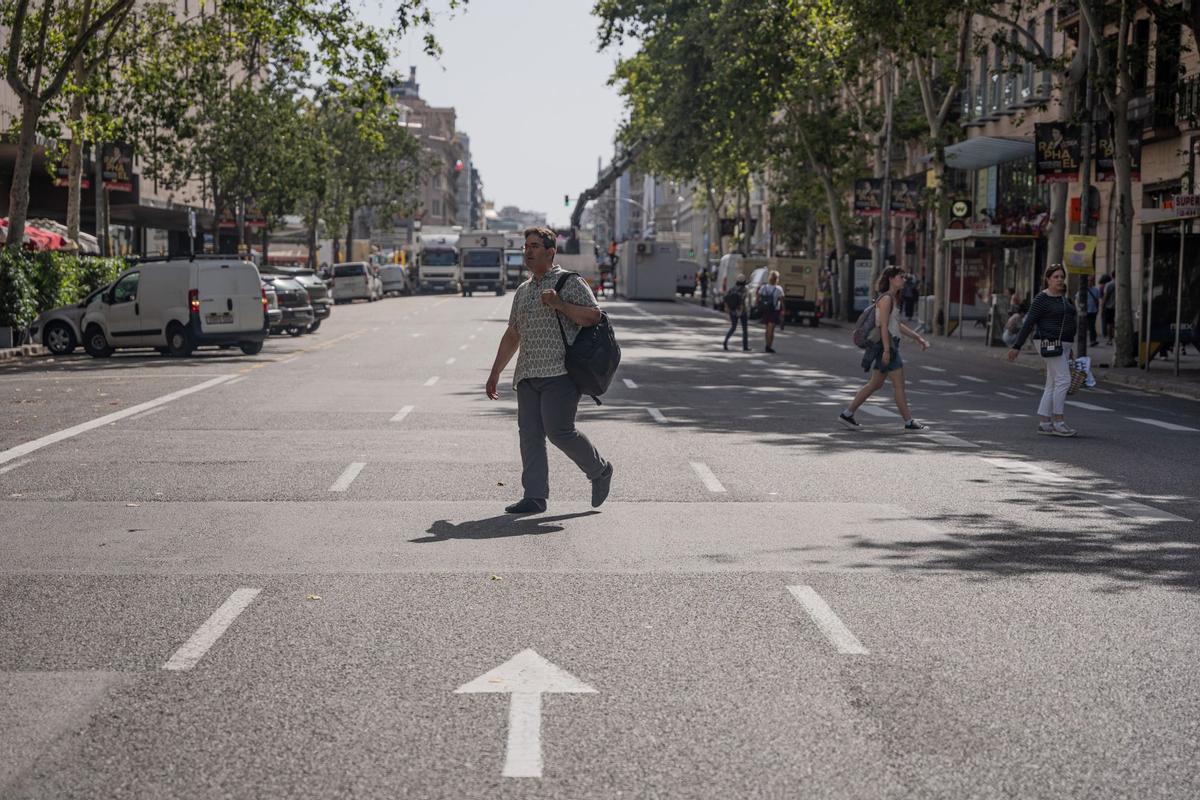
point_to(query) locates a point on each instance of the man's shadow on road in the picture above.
(497, 527)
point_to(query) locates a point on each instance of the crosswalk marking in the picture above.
(347, 477)
(1009, 396)
(1171, 426)
(948, 439)
(935, 382)
(207, 634)
(630, 383)
(1086, 406)
(932, 369)
(450, 360)
(706, 475)
(878, 411)
(834, 629)
(432, 380)
(656, 415)
(972, 379)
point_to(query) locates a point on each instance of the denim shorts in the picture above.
(873, 357)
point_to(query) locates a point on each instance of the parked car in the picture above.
(395, 279)
(318, 292)
(59, 329)
(757, 279)
(274, 313)
(295, 305)
(356, 280)
(177, 304)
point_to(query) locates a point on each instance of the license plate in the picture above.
(223, 318)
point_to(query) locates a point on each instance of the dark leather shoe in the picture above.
(530, 505)
(601, 485)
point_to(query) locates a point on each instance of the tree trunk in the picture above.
(18, 196)
(75, 154)
(749, 218)
(266, 243)
(350, 238)
(312, 237)
(941, 219)
(1056, 237)
(844, 269)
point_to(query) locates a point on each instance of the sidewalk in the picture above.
(24, 351)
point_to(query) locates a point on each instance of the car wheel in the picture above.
(251, 348)
(179, 341)
(95, 343)
(59, 338)
(313, 328)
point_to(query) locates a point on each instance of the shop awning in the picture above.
(985, 151)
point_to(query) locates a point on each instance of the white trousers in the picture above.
(1058, 380)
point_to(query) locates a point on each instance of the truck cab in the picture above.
(514, 260)
(481, 262)
(437, 262)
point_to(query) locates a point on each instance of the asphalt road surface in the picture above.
(290, 575)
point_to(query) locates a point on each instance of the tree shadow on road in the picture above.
(498, 527)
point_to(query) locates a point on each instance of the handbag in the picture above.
(1053, 348)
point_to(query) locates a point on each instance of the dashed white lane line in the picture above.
(432, 380)
(629, 383)
(347, 477)
(11, 467)
(706, 475)
(932, 369)
(656, 415)
(1086, 406)
(1158, 423)
(1009, 396)
(972, 379)
(827, 621)
(14, 453)
(401, 414)
(947, 439)
(878, 411)
(822, 341)
(207, 634)
(450, 360)
(464, 346)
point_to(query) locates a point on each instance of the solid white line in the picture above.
(1009, 396)
(948, 439)
(207, 634)
(932, 369)
(401, 414)
(238, 379)
(11, 467)
(878, 411)
(836, 632)
(432, 381)
(450, 361)
(150, 413)
(629, 383)
(706, 475)
(1171, 426)
(972, 379)
(1087, 406)
(523, 755)
(37, 444)
(656, 414)
(347, 477)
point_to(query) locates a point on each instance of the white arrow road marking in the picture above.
(37, 444)
(207, 634)
(401, 414)
(656, 415)
(1171, 426)
(629, 383)
(836, 632)
(432, 380)
(525, 676)
(1087, 406)
(347, 477)
(706, 475)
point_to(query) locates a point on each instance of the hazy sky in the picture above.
(531, 91)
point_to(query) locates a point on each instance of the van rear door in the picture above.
(230, 297)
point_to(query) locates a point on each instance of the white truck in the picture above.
(437, 260)
(514, 259)
(481, 261)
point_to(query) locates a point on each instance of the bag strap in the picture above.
(562, 281)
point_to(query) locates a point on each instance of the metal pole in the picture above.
(962, 269)
(1179, 295)
(1149, 293)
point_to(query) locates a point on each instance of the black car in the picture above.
(318, 291)
(295, 304)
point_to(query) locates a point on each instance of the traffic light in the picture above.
(566, 201)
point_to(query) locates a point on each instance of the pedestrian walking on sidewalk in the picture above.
(770, 300)
(1052, 316)
(704, 286)
(882, 356)
(738, 309)
(547, 398)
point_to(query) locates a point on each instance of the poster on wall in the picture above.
(868, 197)
(905, 200)
(1105, 153)
(117, 167)
(1058, 152)
(1079, 253)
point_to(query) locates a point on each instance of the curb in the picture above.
(24, 351)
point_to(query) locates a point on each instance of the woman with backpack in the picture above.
(735, 306)
(882, 356)
(1053, 316)
(770, 300)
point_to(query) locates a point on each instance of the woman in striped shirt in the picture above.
(1054, 317)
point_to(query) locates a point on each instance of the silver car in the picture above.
(58, 328)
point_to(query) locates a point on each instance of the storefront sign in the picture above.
(1058, 152)
(117, 167)
(1186, 205)
(1105, 154)
(1078, 254)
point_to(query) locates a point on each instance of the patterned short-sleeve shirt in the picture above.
(541, 353)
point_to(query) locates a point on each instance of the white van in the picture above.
(356, 280)
(177, 305)
(730, 266)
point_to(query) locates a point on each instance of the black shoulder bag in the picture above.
(593, 357)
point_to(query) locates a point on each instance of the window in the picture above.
(437, 208)
(1048, 46)
(126, 289)
(1027, 70)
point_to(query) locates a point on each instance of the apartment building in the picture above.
(435, 128)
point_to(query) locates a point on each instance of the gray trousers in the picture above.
(546, 408)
